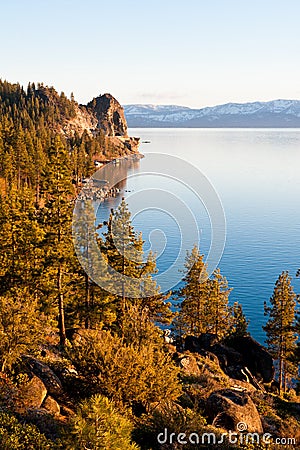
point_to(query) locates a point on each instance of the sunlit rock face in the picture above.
(110, 115)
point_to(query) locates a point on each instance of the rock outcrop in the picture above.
(103, 114)
(255, 357)
(242, 358)
(51, 406)
(231, 410)
(33, 393)
(42, 371)
(83, 121)
(110, 115)
(110, 119)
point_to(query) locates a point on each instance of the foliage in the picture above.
(21, 326)
(240, 323)
(17, 436)
(168, 416)
(99, 425)
(125, 373)
(204, 307)
(281, 337)
(131, 272)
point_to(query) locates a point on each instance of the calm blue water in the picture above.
(256, 175)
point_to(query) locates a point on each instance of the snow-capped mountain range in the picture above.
(276, 113)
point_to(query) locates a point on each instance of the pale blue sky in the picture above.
(192, 52)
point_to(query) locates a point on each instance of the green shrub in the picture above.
(21, 326)
(17, 436)
(125, 373)
(98, 425)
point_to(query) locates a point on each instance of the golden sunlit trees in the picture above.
(204, 307)
(281, 336)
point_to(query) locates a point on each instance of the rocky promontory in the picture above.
(109, 114)
(105, 115)
(102, 117)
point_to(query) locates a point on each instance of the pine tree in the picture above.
(99, 425)
(21, 237)
(240, 323)
(97, 304)
(131, 273)
(218, 316)
(57, 215)
(204, 307)
(191, 318)
(281, 337)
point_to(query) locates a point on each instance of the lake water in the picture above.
(256, 175)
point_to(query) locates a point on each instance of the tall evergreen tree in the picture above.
(218, 315)
(96, 304)
(21, 237)
(57, 215)
(131, 272)
(281, 337)
(191, 318)
(239, 323)
(204, 306)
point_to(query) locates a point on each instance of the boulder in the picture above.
(46, 422)
(51, 406)
(228, 408)
(197, 344)
(207, 345)
(230, 360)
(188, 364)
(67, 412)
(239, 385)
(255, 357)
(42, 371)
(33, 393)
(239, 357)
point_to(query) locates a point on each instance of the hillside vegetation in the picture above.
(82, 367)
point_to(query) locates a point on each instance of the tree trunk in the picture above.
(284, 376)
(61, 312)
(37, 190)
(87, 302)
(280, 376)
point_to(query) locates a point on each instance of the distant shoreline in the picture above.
(216, 127)
(272, 114)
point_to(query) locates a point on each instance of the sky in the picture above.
(194, 53)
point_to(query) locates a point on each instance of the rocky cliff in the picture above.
(103, 114)
(109, 114)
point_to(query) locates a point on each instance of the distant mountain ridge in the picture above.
(275, 113)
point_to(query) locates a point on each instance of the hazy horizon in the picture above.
(209, 106)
